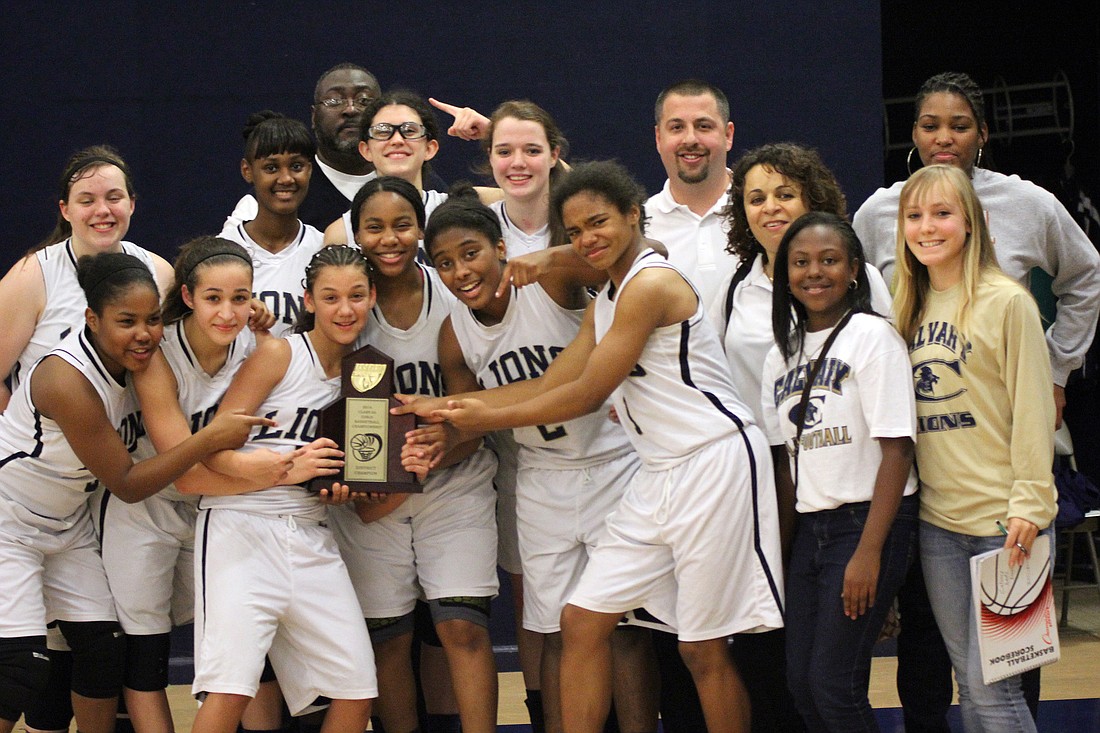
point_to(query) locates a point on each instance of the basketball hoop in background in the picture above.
(1025, 110)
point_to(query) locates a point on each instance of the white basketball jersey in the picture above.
(295, 404)
(198, 392)
(415, 353)
(533, 332)
(516, 241)
(278, 279)
(680, 396)
(38, 468)
(65, 301)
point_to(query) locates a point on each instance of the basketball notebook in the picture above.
(1017, 630)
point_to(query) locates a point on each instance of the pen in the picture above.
(1004, 531)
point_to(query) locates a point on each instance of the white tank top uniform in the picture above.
(516, 241)
(278, 278)
(65, 301)
(148, 547)
(269, 577)
(51, 568)
(572, 475)
(442, 540)
(695, 539)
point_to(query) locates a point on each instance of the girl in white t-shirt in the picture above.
(836, 396)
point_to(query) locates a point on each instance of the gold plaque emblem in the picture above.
(365, 377)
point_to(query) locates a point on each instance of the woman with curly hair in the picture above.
(770, 187)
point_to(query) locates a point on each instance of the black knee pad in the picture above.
(474, 609)
(53, 709)
(24, 673)
(99, 656)
(147, 661)
(383, 629)
(423, 625)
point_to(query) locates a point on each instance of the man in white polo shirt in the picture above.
(694, 135)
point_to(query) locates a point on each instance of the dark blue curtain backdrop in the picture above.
(171, 85)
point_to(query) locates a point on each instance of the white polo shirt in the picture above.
(696, 244)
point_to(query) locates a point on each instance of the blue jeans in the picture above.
(945, 559)
(829, 654)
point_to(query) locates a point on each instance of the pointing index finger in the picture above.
(448, 108)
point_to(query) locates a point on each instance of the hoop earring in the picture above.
(909, 160)
(853, 285)
(978, 162)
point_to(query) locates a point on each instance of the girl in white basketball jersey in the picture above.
(148, 547)
(836, 398)
(269, 578)
(72, 424)
(526, 152)
(523, 148)
(686, 539)
(43, 303)
(570, 475)
(278, 162)
(441, 542)
(39, 296)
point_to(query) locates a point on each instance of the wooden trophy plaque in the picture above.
(359, 421)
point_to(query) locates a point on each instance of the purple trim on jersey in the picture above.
(183, 345)
(309, 350)
(38, 444)
(93, 359)
(103, 515)
(611, 289)
(428, 280)
(376, 309)
(685, 374)
(205, 549)
(187, 351)
(69, 251)
(299, 240)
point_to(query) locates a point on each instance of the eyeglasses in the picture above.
(408, 130)
(359, 102)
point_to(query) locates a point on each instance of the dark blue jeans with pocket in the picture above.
(829, 654)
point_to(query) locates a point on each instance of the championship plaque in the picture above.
(361, 424)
